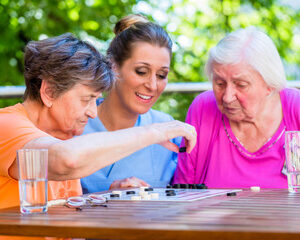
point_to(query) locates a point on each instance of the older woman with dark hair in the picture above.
(241, 123)
(64, 76)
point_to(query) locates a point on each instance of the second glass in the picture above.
(292, 153)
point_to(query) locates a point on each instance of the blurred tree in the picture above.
(195, 26)
(25, 20)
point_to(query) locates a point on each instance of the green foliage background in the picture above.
(194, 25)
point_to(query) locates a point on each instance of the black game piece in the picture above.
(114, 195)
(231, 194)
(177, 185)
(168, 186)
(182, 149)
(130, 192)
(148, 189)
(170, 190)
(184, 185)
(201, 186)
(170, 194)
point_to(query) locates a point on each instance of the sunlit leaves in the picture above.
(73, 14)
(194, 25)
(90, 25)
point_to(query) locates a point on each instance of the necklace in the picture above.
(252, 154)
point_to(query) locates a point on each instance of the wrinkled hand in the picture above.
(128, 183)
(169, 130)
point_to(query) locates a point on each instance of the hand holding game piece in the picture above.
(131, 182)
(173, 129)
(182, 149)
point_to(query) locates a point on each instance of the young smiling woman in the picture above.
(141, 54)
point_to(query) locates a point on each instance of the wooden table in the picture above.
(268, 214)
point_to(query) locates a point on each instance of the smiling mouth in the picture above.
(145, 97)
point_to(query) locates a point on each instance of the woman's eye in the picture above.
(140, 72)
(162, 76)
(85, 100)
(220, 84)
(240, 85)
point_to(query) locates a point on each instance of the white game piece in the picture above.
(154, 195)
(135, 198)
(117, 192)
(143, 188)
(142, 193)
(255, 189)
(146, 197)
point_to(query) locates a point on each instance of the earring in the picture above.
(48, 104)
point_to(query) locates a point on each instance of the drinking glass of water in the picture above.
(292, 153)
(33, 177)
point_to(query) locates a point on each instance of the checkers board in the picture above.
(181, 195)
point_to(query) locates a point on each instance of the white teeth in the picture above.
(143, 96)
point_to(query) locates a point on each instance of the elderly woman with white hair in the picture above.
(241, 123)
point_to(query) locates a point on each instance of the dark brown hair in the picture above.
(132, 29)
(64, 61)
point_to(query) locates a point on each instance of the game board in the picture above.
(166, 194)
